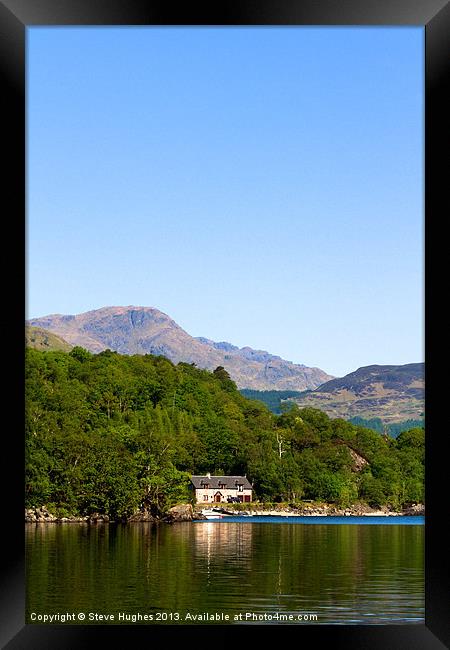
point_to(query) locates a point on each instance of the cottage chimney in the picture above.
(208, 475)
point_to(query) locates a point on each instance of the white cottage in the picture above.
(221, 489)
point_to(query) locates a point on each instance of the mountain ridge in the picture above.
(146, 330)
(41, 339)
(391, 393)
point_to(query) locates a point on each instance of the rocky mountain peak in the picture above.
(147, 330)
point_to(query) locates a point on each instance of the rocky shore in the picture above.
(42, 515)
(329, 510)
(185, 512)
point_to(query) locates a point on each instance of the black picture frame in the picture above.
(15, 17)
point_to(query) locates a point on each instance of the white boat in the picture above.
(212, 514)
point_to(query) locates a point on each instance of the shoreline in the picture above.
(186, 513)
(338, 514)
(326, 511)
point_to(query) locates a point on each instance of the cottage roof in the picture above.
(230, 482)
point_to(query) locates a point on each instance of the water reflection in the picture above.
(344, 573)
(232, 542)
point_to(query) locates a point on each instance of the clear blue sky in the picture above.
(262, 186)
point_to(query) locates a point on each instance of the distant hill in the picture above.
(41, 339)
(145, 330)
(390, 393)
(271, 398)
(394, 429)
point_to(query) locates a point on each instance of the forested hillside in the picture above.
(279, 401)
(111, 433)
(273, 399)
(393, 429)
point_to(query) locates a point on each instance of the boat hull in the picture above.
(211, 514)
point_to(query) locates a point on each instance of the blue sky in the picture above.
(262, 186)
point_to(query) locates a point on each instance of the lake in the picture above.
(308, 570)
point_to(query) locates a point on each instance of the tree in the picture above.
(222, 375)
(107, 432)
(80, 354)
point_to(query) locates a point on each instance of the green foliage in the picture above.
(273, 399)
(393, 429)
(111, 434)
(222, 375)
(80, 354)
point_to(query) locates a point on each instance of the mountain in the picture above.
(145, 330)
(41, 339)
(391, 393)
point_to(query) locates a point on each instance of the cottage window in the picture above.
(240, 488)
(205, 497)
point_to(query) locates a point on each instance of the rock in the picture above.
(182, 512)
(414, 509)
(95, 517)
(142, 515)
(198, 515)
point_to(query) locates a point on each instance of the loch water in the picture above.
(309, 571)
